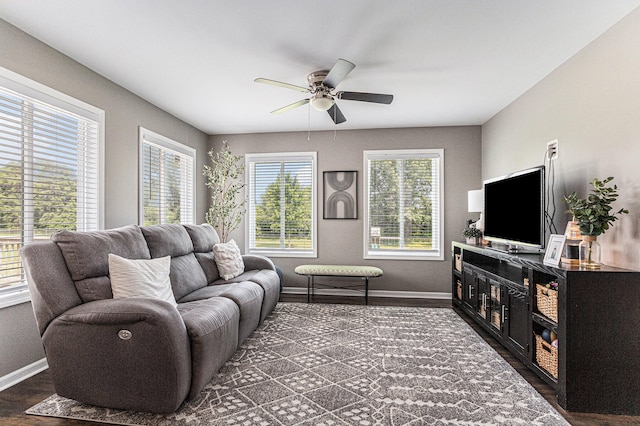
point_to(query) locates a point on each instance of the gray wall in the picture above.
(29, 57)
(341, 241)
(591, 104)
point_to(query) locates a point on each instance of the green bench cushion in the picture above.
(339, 270)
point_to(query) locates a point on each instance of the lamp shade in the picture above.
(475, 200)
(322, 103)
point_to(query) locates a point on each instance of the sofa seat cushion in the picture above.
(245, 276)
(86, 255)
(270, 282)
(212, 326)
(247, 295)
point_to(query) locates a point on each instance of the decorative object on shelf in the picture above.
(475, 204)
(594, 217)
(571, 252)
(472, 235)
(224, 179)
(341, 195)
(554, 250)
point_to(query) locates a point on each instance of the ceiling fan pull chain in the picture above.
(309, 122)
(335, 123)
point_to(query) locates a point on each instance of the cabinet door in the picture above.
(482, 307)
(516, 326)
(495, 304)
(469, 288)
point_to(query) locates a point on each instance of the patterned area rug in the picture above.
(322, 364)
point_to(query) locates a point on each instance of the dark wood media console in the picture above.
(596, 318)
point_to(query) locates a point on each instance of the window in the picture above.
(167, 180)
(50, 151)
(281, 219)
(403, 204)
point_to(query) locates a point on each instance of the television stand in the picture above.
(514, 249)
(592, 315)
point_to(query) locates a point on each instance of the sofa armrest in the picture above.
(129, 353)
(254, 261)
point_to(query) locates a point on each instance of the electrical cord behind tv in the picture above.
(550, 201)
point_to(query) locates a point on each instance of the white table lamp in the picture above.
(475, 203)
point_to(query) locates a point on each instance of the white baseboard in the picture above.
(372, 293)
(23, 374)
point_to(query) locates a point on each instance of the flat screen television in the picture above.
(514, 209)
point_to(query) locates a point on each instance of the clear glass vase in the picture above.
(589, 252)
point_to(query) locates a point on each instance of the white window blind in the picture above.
(49, 170)
(403, 204)
(282, 204)
(167, 180)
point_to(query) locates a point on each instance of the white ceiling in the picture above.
(447, 62)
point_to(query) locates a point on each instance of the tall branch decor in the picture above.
(224, 180)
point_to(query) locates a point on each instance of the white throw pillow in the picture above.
(229, 259)
(141, 278)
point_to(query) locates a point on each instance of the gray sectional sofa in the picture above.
(142, 353)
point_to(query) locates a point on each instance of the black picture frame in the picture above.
(340, 194)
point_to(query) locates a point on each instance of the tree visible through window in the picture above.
(403, 203)
(49, 161)
(281, 216)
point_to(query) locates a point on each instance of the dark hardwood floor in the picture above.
(15, 400)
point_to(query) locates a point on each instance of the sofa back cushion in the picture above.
(204, 237)
(87, 256)
(173, 240)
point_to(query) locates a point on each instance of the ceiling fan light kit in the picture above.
(322, 103)
(321, 85)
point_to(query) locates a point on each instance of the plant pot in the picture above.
(473, 241)
(589, 253)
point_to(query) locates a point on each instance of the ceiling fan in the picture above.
(321, 87)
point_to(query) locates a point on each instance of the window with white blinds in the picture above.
(403, 204)
(49, 169)
(166, 179)
(281, 217)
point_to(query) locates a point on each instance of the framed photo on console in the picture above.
(554, 250)
(341, 195)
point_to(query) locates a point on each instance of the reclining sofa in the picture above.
(142, 353)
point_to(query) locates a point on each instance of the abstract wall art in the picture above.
(341, 195)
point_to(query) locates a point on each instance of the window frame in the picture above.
(18, 293)
(438, 247)
(282, 157)
(148, 136)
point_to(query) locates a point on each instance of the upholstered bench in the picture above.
(350, 271)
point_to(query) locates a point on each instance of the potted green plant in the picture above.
(224, 180)
(472, 235)
(594, 217)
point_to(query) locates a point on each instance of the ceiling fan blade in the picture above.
(377, 98)
(336, 115)
(280, 84)
(291, 106)
(338, 73)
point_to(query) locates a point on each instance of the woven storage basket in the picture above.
(495, 319)
(547, 356)
(458, 262)
(547, 302)
(459, 290)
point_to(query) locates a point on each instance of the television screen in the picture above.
(514, 208)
